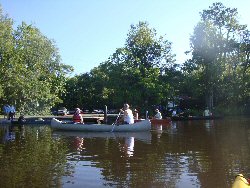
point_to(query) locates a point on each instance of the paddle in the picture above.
(116, 121)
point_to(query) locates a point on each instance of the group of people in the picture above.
(9, 111)
(129, 117)
(126, 115)
(179, 112)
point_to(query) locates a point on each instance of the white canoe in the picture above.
(144, 125)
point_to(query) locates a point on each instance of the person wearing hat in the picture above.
(136, 114)
(128, 117)
(77, 117)
(158, 114)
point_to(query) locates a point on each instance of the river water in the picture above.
(184, 154)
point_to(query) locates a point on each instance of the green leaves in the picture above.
(132, 74)
(32, 76)
(217, 54)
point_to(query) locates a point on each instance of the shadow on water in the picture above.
(204, 153)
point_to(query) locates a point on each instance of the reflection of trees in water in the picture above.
(220, 151)
(32, 159)
(185, 149)
(120, 168)
(195, 152)
(75, 143)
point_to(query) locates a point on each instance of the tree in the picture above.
(32, 76)
(6, 47)
(133, 74)
(215, 59)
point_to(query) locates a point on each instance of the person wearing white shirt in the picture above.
(158, 114)
(206, 112)
(174, 113)
(128, 117)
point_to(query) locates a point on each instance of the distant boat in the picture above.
(144, 125)
(182, 118)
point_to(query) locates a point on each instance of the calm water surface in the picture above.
(181, 154)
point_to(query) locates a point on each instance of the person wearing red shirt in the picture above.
(77, 117)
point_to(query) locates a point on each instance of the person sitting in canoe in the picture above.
(158, 114)
(136, 114)
(206, 112)
(21, 119)
(77, 117)
(128, 117)
(174, 113)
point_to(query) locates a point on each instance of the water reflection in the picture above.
(180, 154)
(158, 129)
(10, 133)
(29, 157)
(209, 125)
(129, 146)
(77, 143)
(111, 153)
(125, 142)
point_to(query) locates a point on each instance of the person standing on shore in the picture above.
(12, 112)
(6, 110)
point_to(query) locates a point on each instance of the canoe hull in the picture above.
(139, 126)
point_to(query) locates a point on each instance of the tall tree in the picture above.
(32, 76)
(137, 67)
(133, 73)
(215, 51)
(6, 47)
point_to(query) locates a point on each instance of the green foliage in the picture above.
(32, 77)
(134, 74)
(33, 150)
(219, 64)
(142, 73)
